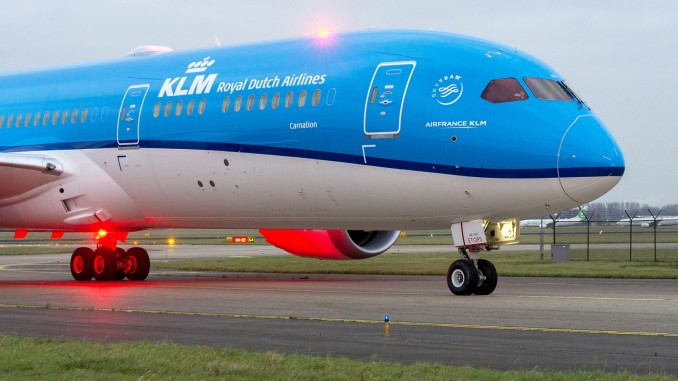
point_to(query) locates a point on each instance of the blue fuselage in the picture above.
(425, 102)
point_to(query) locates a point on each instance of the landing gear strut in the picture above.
(471, 276)
(109, 262)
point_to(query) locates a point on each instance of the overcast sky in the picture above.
(621, 56)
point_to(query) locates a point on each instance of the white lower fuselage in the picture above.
(132, 189)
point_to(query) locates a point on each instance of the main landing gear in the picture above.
(109, 262)
(471, 276)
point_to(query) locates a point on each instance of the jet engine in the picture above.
(332, 244)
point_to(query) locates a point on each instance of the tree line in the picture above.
(613, 211)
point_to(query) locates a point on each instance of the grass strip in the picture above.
(603, 264)
(55, 359)
(26, 250)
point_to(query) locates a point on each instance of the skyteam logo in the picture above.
(200, 84)
(448, 89)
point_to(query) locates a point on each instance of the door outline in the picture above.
(127, 133)
(395, 133)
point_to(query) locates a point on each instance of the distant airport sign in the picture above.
(240, 239)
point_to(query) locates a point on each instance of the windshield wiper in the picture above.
(574, 95)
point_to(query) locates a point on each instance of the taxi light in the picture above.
(171, 241)
(323, 33)
(507, 231)
(101, 233)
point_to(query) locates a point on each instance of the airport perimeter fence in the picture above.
(646, 235)
(631, 237)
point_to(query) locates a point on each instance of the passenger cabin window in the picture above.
(288, 99)
(83, 116)
(330, 96)
(238, 103)
(178, 108)
(45, 118)
(18, 120)
(74, 116)
(276, 101)
(375, 92)
(27, 122)
(302, 98)
(168, 109)
(262, 101)
(190, 107)
(250, 102)
(504, 90)
(316, 98)
(36, 119)
(2, 120)
(547, 89)
(225, 104)
(201, 106)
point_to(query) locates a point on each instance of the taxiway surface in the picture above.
(550, 323)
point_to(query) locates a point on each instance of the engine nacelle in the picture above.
(332, 244)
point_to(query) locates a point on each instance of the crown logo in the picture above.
(200, 66)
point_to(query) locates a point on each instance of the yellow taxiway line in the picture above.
(358, 321)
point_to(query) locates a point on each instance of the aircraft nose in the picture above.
(590, 162)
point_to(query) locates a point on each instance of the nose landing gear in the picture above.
(471, 276)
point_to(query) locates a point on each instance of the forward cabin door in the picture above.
(385, 99)
(129, 117)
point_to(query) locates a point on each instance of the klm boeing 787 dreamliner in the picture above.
(330, 145)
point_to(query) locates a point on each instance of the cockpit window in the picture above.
(504, 90)
(547, 89)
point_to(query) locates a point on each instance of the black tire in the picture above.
(105, 264)
(138, 264)
(462, 277)
(81, 264)
(487, 269)
(121, 255)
